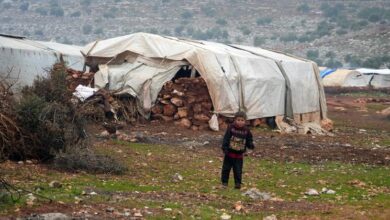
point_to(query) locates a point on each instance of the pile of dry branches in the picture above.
(11, 137)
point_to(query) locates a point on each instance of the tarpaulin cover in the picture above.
(25, 59)
(238, 78)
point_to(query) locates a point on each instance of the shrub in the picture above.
(85, 2)
(38, 32)
(353, 61)
(87, 29)
(7, 5)
(42, 11)
(312, 54)
(24, 6)
(179, 30)
(187, 15)
(84, 159)
(341, 32)
(110, 13)
(98, 31)
(304, 8)
(330, 54)
(75, 14)
(245, 30)
(289, 37)
(258, 41)
(221, 21)
(323, 28)
(263, 21)
(332, 63)
(57, 11)
(208, 10)
(190, 30)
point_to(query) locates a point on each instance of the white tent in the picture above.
(25, 59)
(261, 82)
(346, 78)
(358, 78)
(379, 78)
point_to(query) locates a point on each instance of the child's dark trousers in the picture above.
(228, 164)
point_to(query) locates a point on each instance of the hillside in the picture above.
(332, 33)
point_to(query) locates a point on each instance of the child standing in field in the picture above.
(235, 142)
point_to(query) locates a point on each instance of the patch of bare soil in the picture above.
(357, 133)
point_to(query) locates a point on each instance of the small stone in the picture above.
(54, 216)
(93, 193)
(168, 209)
(238, 206)
(29, 162)
(104, 134)
(177, 177)
(77, 200)
(270, 217)
(20, 162)
(330, 192)
(225, 216)
(138, 214)
(110, 209)
(55, 184)
(312, 192)
(255, 194)
(30, 199)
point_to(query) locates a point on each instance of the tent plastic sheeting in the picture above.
(358, 78)
(249, 79)
(346, 78)
(25, 59)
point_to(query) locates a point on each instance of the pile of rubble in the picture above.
(186, 101)
(76, 78)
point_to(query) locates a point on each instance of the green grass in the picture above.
(373, 94)
(151, 168)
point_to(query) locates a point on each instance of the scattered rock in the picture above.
(55, 184)
(255, 194)
(104, 134)
(312, 192)
(185, 122)
(77, 200)
(238, 206)
(110, 209)
(138, 214)
(357, 183)
(270, 217)
(168, 209)
(340, 108)
(385, 112)
(54, 216)
(176, 101)
(225, 216)
(30, 199)
(327, 191)
(177, 177)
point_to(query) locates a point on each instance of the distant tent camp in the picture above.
(378, 78)
(357, 78)
(261, 82)
(25, 59)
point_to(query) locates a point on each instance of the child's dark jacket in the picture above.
(237, 140)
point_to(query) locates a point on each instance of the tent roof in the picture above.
(26, 44)
(237, 76)
(374, 71)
